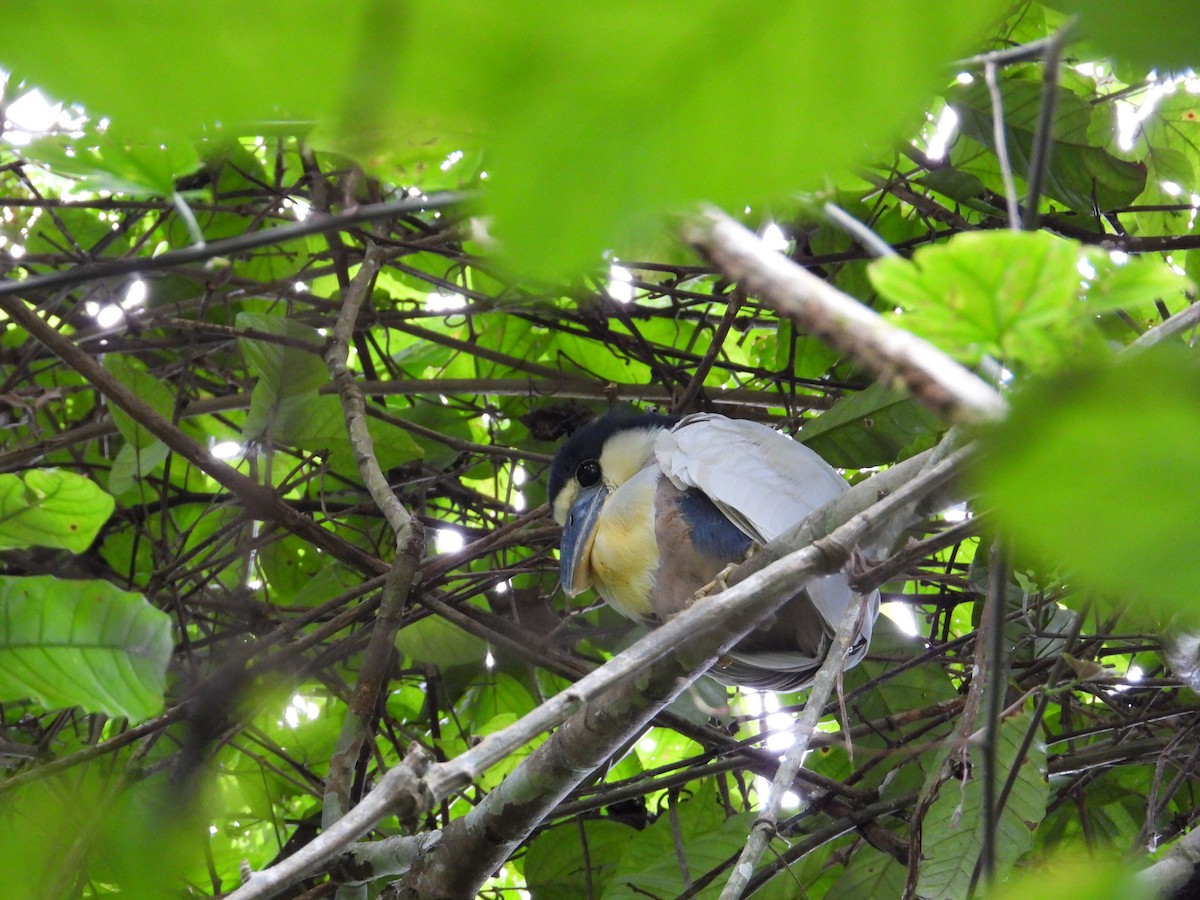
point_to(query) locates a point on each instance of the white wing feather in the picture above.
(763, 480)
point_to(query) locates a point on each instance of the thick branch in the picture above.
(821, 309)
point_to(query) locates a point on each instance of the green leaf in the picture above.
(956, 185)
(502, 695)
(133, 464)
(1164, 36)
(299, 575)
(807, 357)
(1191, 265)
(143, 818)
(650, 865)
(51, 508)
(285, 371)
(538, 82)
(579, 355)
(871, 873)
(67, 227)
(1093, 470)
(116, 161)
(198, 83)
(951, 832)
(542, 85)
(439, 642)
(1079, 875)
(869, 427)
(1138, 281)
(316, 422)
(985, 292)
(563, 862)
(82, 643)
(1170, 181)
(148, 389)
(1083, 177)
(288, 368)
(1172, 137)
(914, 687)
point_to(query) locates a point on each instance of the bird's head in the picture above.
(595, 461)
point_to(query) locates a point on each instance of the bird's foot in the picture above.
(721, 581)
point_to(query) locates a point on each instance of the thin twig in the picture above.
(688, 397)
(870, 241)
(409, 537)
(766, 824)
(1043, 136)
(993, 673)
(230, 246)
(1001, 141)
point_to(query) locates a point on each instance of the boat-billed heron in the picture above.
(654, 507)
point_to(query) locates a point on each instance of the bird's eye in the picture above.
(588, 473)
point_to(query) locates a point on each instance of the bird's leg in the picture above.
(721, 581)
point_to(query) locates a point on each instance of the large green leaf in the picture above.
(871, 873)
(112, 161)
(299, 575)
(567, 862)
(952, 829)
(565, 107)
(1171, 136)
(149, 390)
(177, 73)
(1080, 875)
(285, 370)
(286, 365)
(133, 464)
(699, 829)
(893, 695)
(82, 643)
(869, 428)
(436, 641)
(116, 827)
(316, 422)
(992, 293)
(552, 92)
(1164, 35)
(49, 234)
(1081, 176)
(1133, 283)
(1093, 471)
(51, 508)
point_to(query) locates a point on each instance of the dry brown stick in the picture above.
(692, 391)
(410, 544)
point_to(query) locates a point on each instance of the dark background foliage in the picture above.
(192, 566)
